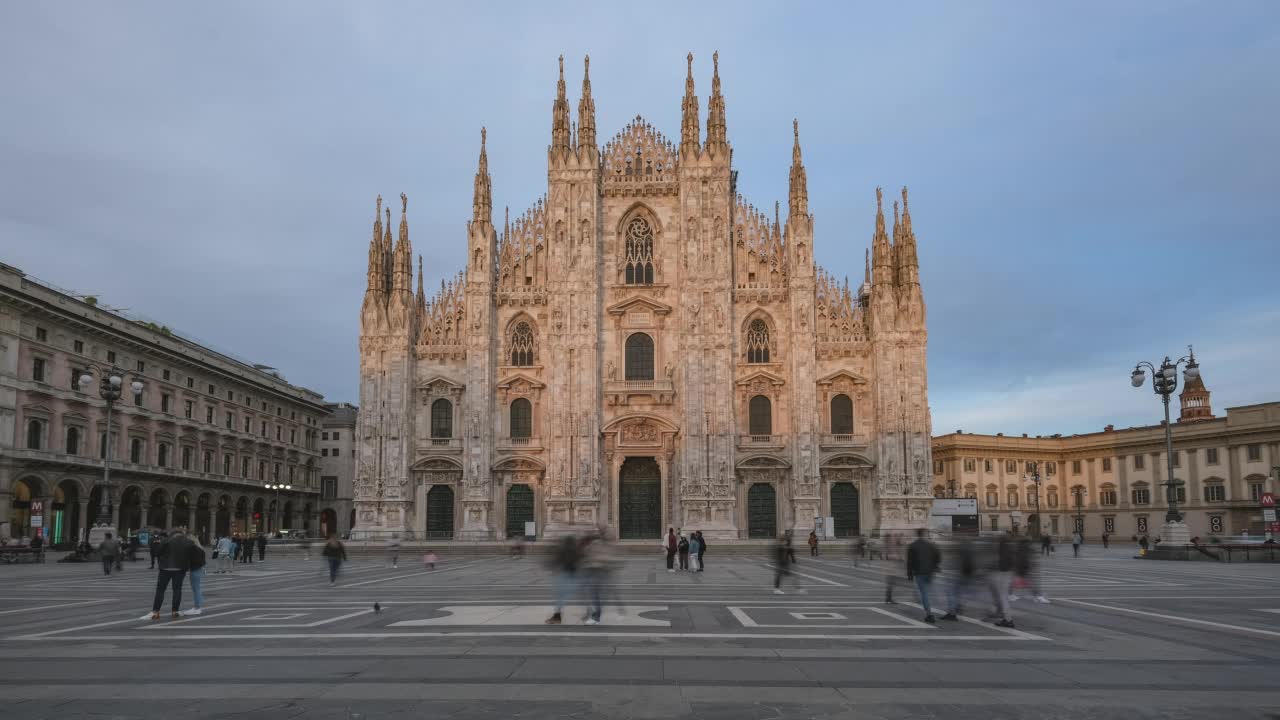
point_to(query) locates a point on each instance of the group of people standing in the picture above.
(677, 545)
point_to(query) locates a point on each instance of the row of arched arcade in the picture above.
(67, 507)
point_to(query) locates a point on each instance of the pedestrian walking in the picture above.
(262, 546)
(813, 543)
(791, 551)
(682, 548)
(393, 550)
(1106, 540)
(695, 549)
(564, 563)
(923, 559)
(859, 549)
(429, 559)
(671, 545)
(963, 571)
(246, 549)
(1000, 576)
(108, 549)
(306, 547)
(598, 564)
(1024, 572)
(335, 553)
(197, 562)
(1076, 540)
(1046, 544)
(173, 553)
(153, 547)
(889, 554)
(224, 553)
(702, 550)
(783, 559)
(1144, 543)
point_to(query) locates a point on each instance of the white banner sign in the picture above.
(955, 506)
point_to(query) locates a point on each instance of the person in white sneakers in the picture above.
(197, 577)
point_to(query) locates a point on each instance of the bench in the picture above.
(16, 554)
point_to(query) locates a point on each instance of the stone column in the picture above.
(168, 515)
(213, 520)
(84, 520)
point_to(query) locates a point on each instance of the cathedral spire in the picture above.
(882, 270)
(586, 109)
(866, 266)
(717, 141)
(560, 118)
(690, 135)
(422, 294)
(403, 263)
(904, 246)
(799, 196)
(377, 271)
(482, 198)
(387, 251)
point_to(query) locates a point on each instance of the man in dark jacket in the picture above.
(174, 556)
(262, 546)
(922, 562)
(1001, 575)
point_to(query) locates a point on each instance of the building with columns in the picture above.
(195, 448)
(1112, 481)
(643, 348)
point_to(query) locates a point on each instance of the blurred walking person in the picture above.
(393, 550)
(702, 550)
(923, 559)
(783, 559)
(1046, 544)
(695, 551)
(888, 553)
(963, 567)
(262, 546)
(859, 549)
(197, 561)
(1076, 541)
(1000, 576)
(671, 545)
(335, 553)
(813, 543)
(226, 549)
(1024, 572)
(173, 554)
(564, 563)
(108, 549)
(598, 565)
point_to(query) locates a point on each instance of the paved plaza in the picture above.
(1122, 638)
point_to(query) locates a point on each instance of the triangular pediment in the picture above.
(74, 417)
(439, 382)
(437, 463)
(36, 409)
(512, 380)
(639, 303)
(845, 374)
(762, 375)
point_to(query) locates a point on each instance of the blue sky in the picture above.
(1092, 183)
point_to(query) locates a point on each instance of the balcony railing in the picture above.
(762, 440)
(844, 440)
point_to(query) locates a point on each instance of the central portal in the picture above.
(640, 499)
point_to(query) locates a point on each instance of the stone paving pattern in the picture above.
(1123, 638)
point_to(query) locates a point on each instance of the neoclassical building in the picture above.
(195, 448)
(642, 348)
(1113, 481)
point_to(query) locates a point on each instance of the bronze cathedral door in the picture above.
(640, 499)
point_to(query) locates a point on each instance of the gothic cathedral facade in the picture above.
(642, 349)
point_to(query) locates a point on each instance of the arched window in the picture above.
(841, 415)
(521, 418)
(758, 342)
(522, 345)
(135, 450)
(34, 430)
(442, 418)
(639, 357)
(760, 416)
(638, 246)
(73, 441)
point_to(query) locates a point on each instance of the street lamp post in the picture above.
(109, 388)
(1035, 478)
(278, 487)
(1079, 492)
(1164, 381)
